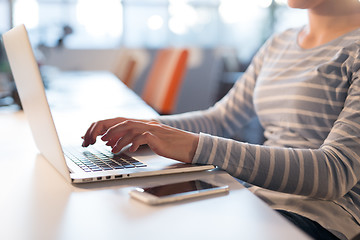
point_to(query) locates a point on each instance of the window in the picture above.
(240, 24)
(4, 15)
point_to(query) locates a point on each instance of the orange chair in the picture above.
(126, 68)
(164, 80)
(129, 72)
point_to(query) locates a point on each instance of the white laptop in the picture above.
(76, 164)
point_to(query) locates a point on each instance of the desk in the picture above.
(37, 203)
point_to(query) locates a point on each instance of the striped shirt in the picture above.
(308, 102)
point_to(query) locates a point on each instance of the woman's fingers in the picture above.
(145, 138)
(130, 132)
(125, 140)
(101, 127)
(98, 128)
(123, 134)
(87, 138)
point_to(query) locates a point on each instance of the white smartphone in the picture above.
(176, 191)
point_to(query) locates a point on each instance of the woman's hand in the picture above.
(99, 128)
(164, 140)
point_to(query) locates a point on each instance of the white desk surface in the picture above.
(37, 203)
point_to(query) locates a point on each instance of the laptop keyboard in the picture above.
(92, 160)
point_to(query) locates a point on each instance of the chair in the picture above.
(164, 80)
(128, 72)
(126, 67)
(129, 65)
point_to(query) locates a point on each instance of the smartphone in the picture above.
(176, 191)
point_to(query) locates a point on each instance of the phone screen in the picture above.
(177, 188)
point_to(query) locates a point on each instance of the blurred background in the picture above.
(221, 36)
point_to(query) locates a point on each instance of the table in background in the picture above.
(37, 203)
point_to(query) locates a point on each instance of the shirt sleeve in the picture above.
(328, 172)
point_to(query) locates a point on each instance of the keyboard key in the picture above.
(107, 168)
(118, 167)
(96, 170)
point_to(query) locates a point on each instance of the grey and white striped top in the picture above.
(308, 102)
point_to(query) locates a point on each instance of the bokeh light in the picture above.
(26, 12)
(100, 17)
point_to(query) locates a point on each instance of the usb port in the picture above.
(87, 180)
(118, 176)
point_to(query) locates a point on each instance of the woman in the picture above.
(304, 86)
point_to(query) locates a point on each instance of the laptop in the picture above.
(75, 163)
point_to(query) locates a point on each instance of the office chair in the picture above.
(126, 67)
(164, 80)
(130, 64)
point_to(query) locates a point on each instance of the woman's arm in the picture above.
(328, 172)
